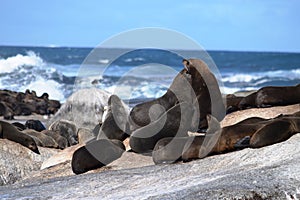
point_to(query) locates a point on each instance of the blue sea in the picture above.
(136, 74)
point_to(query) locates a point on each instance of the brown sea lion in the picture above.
(175, 122)
(35, 125)
(278, 130)
(96, 154)
(6, 111)
(232, 103)
(207, 90)
(46, 140)
(66, 129)
(193, 84)
(115, 125)
(169, 150)
(60, 140)
(140, 114)
(261, 132)
(19, 126)
(85, 135)
(10, 132)
(272, 96)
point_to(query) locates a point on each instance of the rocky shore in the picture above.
(270, 172)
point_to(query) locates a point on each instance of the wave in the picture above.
(253, 77)
(12, 63)
(21, 72)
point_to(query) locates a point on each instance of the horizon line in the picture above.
(184, 49)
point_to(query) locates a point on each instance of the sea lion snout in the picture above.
(34, 148)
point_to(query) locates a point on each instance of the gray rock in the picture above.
(17, 161)
(270, 172)
(84, 107)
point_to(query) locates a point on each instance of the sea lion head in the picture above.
(32, 145)
(186, 65)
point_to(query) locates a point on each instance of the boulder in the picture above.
(17, 161)
(61, 157)
(85, 107)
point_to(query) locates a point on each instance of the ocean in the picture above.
(136, 74)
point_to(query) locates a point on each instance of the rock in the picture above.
(17, 161)
(61, 157)
(84, 107)
(270, 172)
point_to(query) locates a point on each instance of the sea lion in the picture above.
(6, 111)
(46, 140)
(140, 114)
(172, 149)
(60, 140)
(115, 125)
(278, 130)
(19, 126)
(261, 132)
(35, 125)
(232, 103)
(168, 150)
(37, 141)
(272, 96)
(206, 88)
(175, 122)
(67, 129)
(96, 154)
(85, 135)
(10, 132)
(195, 83)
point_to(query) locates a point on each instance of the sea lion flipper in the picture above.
(96, 154)
(271, 133)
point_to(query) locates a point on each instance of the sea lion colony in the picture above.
(193, 102)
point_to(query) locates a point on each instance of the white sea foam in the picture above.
(293, 74)
(12, 63)
(50, 86)
(240, 78)
(231, 90)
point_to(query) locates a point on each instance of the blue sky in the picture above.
(255, 25)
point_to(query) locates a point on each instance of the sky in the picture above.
(240, 25)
